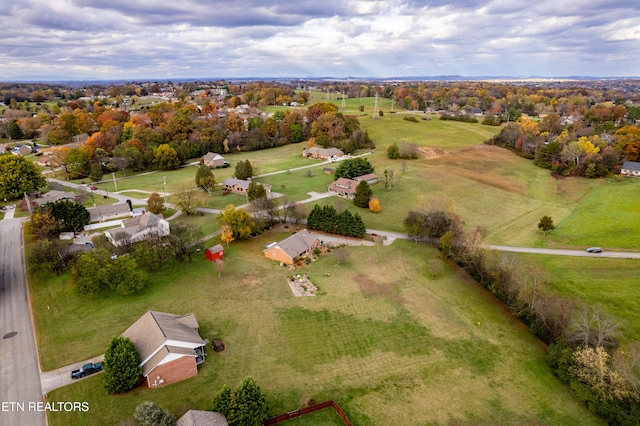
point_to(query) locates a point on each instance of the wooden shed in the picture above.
(214, 253)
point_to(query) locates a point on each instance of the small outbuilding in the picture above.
(214, 253)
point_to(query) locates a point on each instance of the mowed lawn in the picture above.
(384, 339)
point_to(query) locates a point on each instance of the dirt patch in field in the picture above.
(368, 287)
(250, 281)
(479, 162)
(430, 153)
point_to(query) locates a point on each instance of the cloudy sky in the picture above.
(158, 39)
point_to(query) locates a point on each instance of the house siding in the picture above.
(276, 253)
(173, 371)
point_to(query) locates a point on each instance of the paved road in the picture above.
(562, 252)
(19, 369)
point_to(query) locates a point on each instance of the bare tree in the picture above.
(595, 328)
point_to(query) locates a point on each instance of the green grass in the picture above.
(606, 284)
(207, 223)
(386, 343)
(606, 217)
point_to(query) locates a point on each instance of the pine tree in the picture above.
(239, 173)
(122, 369)
(151, 414)
(363, 195)
(546, 224)
(249, 405)
(223, 400)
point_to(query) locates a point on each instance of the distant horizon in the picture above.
(408, 78)
(123, 40)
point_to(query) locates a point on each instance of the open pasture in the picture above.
(389, 344)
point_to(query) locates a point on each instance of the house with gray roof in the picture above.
(202, 418)
(240, 186)
(298, 245)
(53, 196)
(630, 168)
(109, 211)
(169, 345)
(138, 228)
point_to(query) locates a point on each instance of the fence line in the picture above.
(310, 409)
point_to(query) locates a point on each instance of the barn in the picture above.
(214, 253)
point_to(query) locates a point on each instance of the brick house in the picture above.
(299, 244)
(344, 187)
(169, 345)
(213, 160)
(322, 153)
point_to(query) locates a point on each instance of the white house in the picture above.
(138, 228)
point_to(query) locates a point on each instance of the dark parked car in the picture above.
(594, 250)
(86, 370)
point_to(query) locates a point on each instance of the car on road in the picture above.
(594, 250)
(86, 370)
(93, 187)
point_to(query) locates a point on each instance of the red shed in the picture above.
(214, 253)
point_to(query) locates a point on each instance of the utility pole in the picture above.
(114, 180)
(376, 108)
(164, 179)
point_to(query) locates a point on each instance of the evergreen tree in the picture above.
(248, 169)
(256, 191)
(122, 369)
(249, 405)
(239, 173)
(222, 402)
(353, 167)
(15, 132)
(363, 195)
(72, 216)
(546, 224)
(151, 414)
(244, 170)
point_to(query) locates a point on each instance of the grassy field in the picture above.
(607, 284)
(388, 344)
(606, 217)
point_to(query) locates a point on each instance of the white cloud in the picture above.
(227, 38)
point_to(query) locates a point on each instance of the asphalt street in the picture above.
(20, 390)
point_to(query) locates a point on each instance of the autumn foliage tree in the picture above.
(166, 158)
(226, 234)
(374, 205)
(155, 203)
(238, 220)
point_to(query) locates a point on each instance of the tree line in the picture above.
(584, 350)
